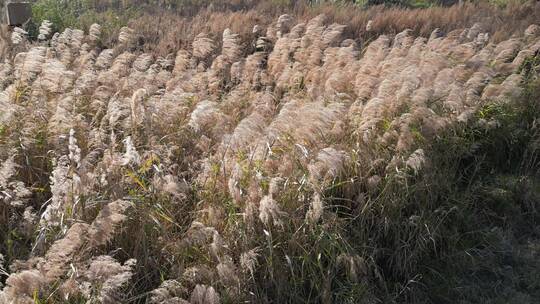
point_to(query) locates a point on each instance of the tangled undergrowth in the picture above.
(297, 167)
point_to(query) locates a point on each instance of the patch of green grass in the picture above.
(3, 130)
(80, 14)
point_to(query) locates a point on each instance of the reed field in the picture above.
(244, 151)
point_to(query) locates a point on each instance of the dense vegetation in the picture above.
(270, 152)
(166, 26)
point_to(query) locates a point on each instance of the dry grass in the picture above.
(194, 161)
(173, 31)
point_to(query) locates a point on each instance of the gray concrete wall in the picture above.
(3, 13)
